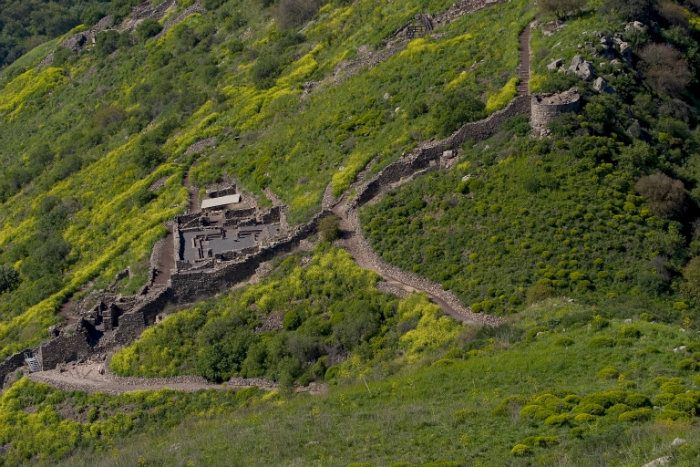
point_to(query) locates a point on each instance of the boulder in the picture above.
(661, 461)
(556, 64)
(582, 68)
(678, 442)
(601, 85)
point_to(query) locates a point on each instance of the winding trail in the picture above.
(95, 377)
(360, 249)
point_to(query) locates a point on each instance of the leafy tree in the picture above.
(9, 278)
(560, 8)
(328, 228)
(665, 69)
(148, 28)
(665, 195)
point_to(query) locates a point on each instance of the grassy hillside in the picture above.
(87, 136)
(564, 382)
(586, 241)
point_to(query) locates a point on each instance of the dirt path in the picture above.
(524, 66)
(96, 377)
(360, 249)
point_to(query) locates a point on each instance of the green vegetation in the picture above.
(587, 242)
(42, 425)
(597, 212)
(497, 390)
(93, 132)
(302, 324)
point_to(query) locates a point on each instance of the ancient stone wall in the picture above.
(10, 365)
(189, 285)
(72, 344)
(422, 156)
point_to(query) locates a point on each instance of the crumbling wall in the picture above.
(422, 156)
(74, 343)
(189, 285)
(11, 364)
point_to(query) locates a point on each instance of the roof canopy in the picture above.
(221, 201)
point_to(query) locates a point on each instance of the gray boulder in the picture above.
(582, 68)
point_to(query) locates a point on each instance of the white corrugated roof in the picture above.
(221, 201)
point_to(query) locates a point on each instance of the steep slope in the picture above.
(574, 232)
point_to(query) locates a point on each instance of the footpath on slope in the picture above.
(360, 249)
(95, 377)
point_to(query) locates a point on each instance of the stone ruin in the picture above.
(545, 108)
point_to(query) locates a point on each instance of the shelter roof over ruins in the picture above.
(221, 201)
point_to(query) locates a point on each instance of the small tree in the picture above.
(9, 278)
(560, 8)
(148, 28)
(664, 195)
(665, 69)
(328, 228)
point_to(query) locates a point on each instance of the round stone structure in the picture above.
(547, 107)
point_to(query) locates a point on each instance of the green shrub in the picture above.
(536, 412)
(600, 342)
(688, 402)
(687, 364)
(572, 399)
(577, 432)
(509, 405)
(630, 332)
(635, 399)
(532, 333)
(564, 342)
(559, 420)
(636, 415)
(663, 399)
(539, 292)
(599, 323)
(605, 398)
(608, 372)
(585, 417)
(617, 409)
(669, 415)
(9, 278)
(148, 28)
(521, 450)
(673, 387)
(328, 228)
(541, 441)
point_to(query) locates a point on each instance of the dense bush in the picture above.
(665, 69)
(9, 278)
(148, 28)
(664, 195)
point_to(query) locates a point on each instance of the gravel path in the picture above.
(95, 377)
(360, 249)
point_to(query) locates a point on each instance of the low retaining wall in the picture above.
(422, 156)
